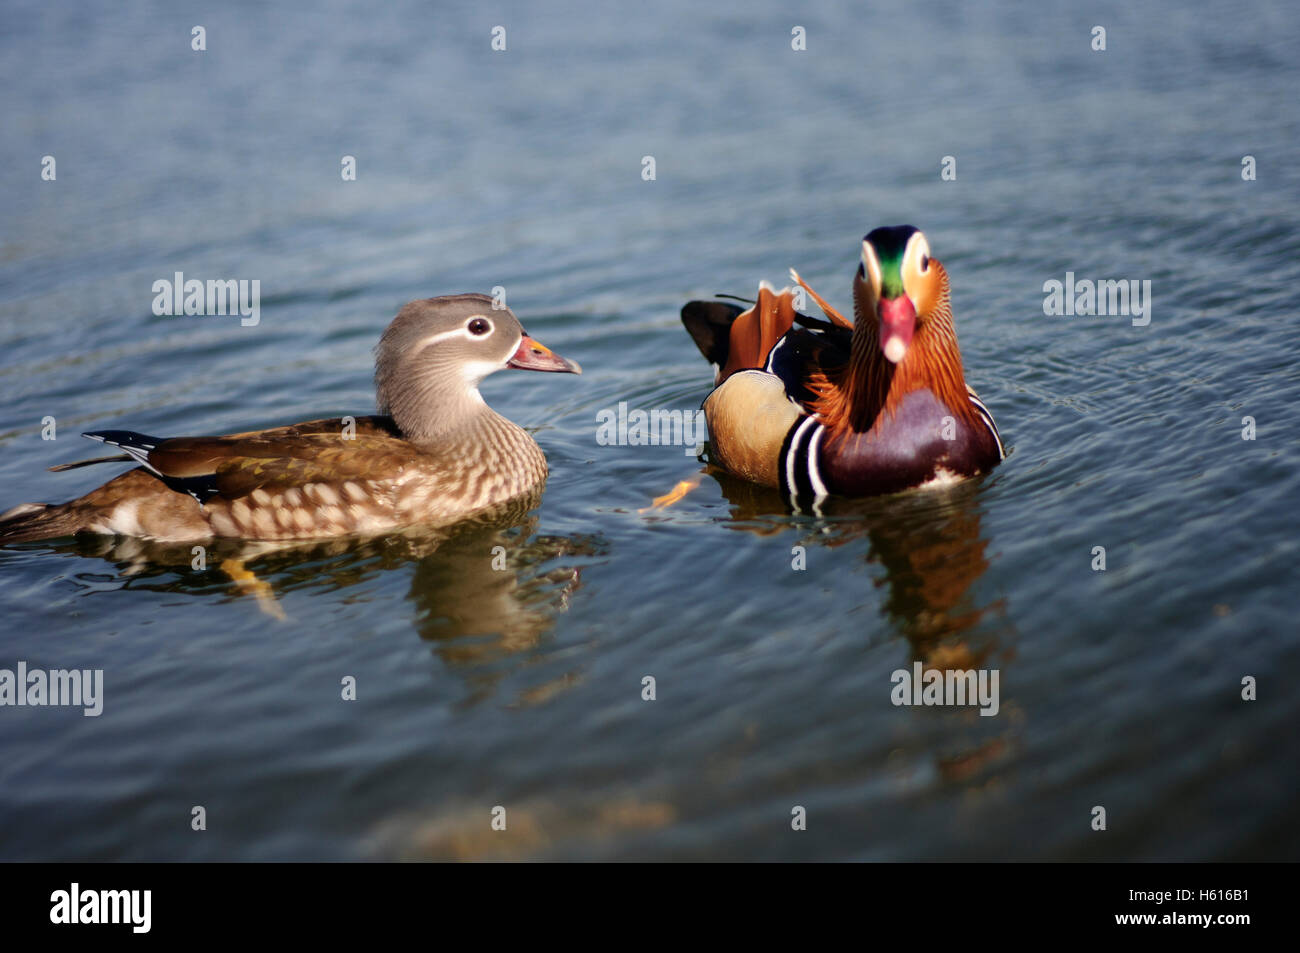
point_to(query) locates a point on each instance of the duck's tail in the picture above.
(134, 503)
(31, 521)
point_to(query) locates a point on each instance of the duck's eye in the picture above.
(478, 326)
(925, 263)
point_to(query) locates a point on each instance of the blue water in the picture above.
(523, 689)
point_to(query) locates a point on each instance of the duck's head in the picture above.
(898, 286)
(434, 354)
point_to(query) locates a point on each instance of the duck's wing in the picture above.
(760, 401)
(803, 354)
(329, 451)
(734, 339)
(709, 325)
(758, 416)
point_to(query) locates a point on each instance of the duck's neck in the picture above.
(432, 419)
(480, 441)
(868, 390)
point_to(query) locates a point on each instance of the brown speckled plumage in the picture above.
(441, 456)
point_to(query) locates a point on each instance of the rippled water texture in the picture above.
(522, 688)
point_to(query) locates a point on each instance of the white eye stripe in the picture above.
(872, 266)
(461, 332)
(441, 336)
(916, 254)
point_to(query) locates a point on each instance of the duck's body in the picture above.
(845, 408)
(439, 456)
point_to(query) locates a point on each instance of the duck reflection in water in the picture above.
(927, 541)
(933, 554)
(483, 590)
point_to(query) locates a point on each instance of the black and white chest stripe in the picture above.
(988, 421)
(771, 355)
(800, 472)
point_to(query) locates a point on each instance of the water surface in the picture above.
(523, 688)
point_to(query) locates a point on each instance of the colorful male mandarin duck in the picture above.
(875, 405)
(437, 454)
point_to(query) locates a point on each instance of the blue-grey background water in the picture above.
(522, 688)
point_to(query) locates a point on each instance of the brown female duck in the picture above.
(435, 454)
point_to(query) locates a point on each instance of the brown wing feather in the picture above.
(281, 454)
(755, 332)
(308, 458)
